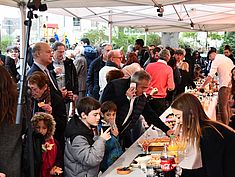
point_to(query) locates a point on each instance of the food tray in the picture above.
(154, 160)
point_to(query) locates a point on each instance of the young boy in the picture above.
(84, 151)
(113, 149)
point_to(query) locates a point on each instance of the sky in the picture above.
(10, 12)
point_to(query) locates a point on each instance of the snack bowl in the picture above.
(123, 170)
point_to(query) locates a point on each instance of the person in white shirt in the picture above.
(221, 65)
(113, 63)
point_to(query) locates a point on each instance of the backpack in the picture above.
(90, 54)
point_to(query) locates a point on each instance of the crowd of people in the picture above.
(72, 96)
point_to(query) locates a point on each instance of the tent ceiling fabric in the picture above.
(112, 3)
(204, 17)
(179, 15)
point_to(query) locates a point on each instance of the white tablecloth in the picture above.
(210, 111)
(129, 155)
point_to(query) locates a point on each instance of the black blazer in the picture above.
(116, 91)
(187, 80)
(58, 108)
(71, 78)
(218, 152)
(52, 89)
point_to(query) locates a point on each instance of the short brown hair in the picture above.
(108, 106)
(38, 78)
(56, 45)
(180, 52)
(87, 104)
(114, 74)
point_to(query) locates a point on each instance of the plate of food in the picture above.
(155, 144)
(148, 159)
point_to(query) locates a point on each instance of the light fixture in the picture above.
(160, 10)
(192, 25)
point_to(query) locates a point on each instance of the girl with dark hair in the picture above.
(10, 133)
(198, 59)
(210, 145)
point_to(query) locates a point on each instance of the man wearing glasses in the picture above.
(113, 63)
(93, 72)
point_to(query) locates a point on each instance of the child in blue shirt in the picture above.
(113, 149)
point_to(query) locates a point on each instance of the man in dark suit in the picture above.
(42, 58)
(120, 92)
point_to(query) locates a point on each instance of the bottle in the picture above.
(173, 147)
(167, 163)
(211, 86)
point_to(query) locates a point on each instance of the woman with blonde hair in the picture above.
(10, 133)
(210, 145)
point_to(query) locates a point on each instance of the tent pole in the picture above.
(110, 32)
(206, 40)
(22, 7)
(145, 36)
(110, 27)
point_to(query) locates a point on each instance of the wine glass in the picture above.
(145, 146)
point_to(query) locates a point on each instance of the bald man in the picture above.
(113, 63)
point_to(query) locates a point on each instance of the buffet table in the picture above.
(210, 108)
(127, 157)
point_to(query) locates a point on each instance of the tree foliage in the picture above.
(5, 42)
(96, 36)
(229, 39)
(215, 36)
(192, 35)
(153, 39)
(122, 37)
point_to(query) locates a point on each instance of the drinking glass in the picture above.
(145, 146)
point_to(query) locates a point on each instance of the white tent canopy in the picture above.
(178, 16)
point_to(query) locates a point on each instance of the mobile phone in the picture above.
(105, 127)
(133, 85)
